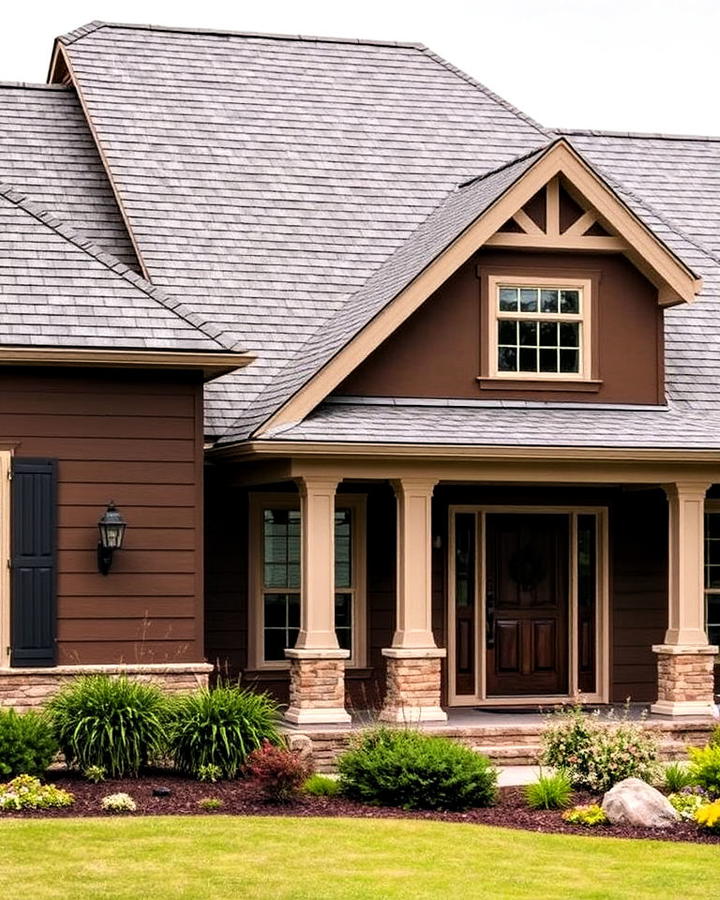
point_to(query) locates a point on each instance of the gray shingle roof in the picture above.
(274, 184)
(47, 151)
(265, 180)
(58, 290)
(488, 424)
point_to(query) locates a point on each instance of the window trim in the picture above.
(259, 500)
(5, 549)
(585, 318)
(711, 506)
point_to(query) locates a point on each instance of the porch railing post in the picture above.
(413, 660)
(317, 664)
(685, 659)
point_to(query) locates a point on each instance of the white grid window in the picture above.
(539, 330)
(712, 575)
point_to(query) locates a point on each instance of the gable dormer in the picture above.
(534, 282)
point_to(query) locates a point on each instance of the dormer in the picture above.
(536, 282)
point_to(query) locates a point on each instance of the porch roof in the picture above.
(500, 423)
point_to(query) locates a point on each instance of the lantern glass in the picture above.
(112, 529)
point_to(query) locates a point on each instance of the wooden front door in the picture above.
(526, 603)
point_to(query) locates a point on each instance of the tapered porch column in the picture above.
(413, 660)
(317, 664)
(685, 659)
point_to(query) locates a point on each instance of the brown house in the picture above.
(474, 458)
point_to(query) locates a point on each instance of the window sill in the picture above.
(492, 383)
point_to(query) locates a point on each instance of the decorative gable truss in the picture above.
(550, 200)
(554, 220)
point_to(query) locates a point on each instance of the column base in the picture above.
(317, 687)
(685, 681)
(413, 685)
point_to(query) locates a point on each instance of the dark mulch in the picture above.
(242, 798)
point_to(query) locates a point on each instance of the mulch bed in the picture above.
(242, 798)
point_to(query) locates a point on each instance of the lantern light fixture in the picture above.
(112, 533)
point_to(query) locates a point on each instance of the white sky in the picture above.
(639, 65)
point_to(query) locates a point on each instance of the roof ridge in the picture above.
(485, 90)
(646, 135)
(75, 237)
(79, 33)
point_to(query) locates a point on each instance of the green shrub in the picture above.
(27, 743)
(549, 792)
(404, 768)
(113, 723)
(715, 737)
(210, 773)
(705, 768)
(589, 815)
(596, 755)
(686, 804)
(280, 773)
(27, 792)
(210, 804)
(677, 777)
(220, 727)
(322, 786)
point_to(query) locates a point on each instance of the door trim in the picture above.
(602, 631)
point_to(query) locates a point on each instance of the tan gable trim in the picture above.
(675, 282)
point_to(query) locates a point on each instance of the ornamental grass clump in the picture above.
(113, 723)
(549, 792)
(28, 792)
(411, 770)
(27, 743)
(677, 778)
(219, 728)
(596, 754)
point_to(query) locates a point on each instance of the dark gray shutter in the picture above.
(33, 575)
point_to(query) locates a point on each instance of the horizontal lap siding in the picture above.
(137, 440)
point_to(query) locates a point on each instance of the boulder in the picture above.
(634, 802)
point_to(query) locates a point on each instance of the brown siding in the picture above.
(436, 353)
(137, 440)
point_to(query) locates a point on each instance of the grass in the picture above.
(221, 856)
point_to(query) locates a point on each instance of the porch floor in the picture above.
(510, 737)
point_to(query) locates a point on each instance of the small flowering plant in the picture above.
(28, 792)
(589, 815)
(687, 802)
(597, 753)
(708, 816)
(118, 803)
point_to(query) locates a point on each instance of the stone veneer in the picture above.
(26, 688)
(412, 687)
(317, 688)
(685, 680)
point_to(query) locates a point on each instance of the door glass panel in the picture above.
(587, 602)
(465, 603)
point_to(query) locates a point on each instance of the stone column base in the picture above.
(413, 686)
(685, 681)
(317, 687)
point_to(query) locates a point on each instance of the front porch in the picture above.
(508, 738)
(482, 580)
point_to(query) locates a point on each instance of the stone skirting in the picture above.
(503, 744)
(413, 686)
(317, 687)
(685, 680)
(26, 688)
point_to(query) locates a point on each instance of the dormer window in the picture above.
(539, 328)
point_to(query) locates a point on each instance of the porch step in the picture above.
(510, 754)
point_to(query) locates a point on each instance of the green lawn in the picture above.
(218, 857)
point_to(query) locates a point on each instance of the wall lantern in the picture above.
(112, 531)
